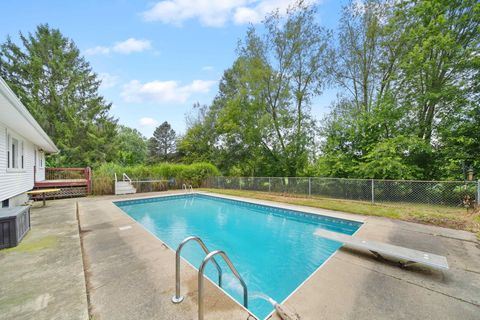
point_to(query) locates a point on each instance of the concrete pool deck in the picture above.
(43, 277)
(130, 273)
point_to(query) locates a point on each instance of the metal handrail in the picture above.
(126, 178)
(184, 187)
(177, 298)
(190, 188)
(200, 279)
(115, 176)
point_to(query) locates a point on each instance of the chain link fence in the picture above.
(445, 193)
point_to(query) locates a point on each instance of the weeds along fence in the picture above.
(106, 185)
(149, 178)
(445, 193)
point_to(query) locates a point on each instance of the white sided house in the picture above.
(23, 145)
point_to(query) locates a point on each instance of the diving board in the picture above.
(379, 249)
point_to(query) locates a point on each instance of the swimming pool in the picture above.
(274, 249)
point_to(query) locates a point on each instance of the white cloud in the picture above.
(210, 12)
(215, 13)
(163, 91)
(108, 80)
(124, 47)
(148, 122)
(246, 15)
(131, 45)
(97, 50)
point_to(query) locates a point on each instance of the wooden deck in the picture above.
(72, 182)
(61, 183)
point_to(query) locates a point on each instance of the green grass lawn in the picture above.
(450, 217)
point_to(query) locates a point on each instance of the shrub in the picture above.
(194, 174)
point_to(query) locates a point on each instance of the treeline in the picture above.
(406, 72)
(408, 78)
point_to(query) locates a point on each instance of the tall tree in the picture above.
(440, 41)
(410, 70)
(198, 144)
(131, 146)
(60, 90)
(365, 59)
(261, 115)
(364, 69)
(284, 69)
(162, 146)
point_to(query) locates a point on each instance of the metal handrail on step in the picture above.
(126, 178)
(177, 298)
(190, 188)
(200, 279)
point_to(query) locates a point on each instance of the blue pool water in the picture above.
(273, 249)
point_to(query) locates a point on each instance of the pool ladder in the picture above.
(188, 189)
(177, 298)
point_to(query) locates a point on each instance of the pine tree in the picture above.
(162, 146)
(60, 90)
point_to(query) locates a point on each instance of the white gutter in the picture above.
(5, 90)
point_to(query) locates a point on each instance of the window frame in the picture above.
(20, 152)
(41, 159)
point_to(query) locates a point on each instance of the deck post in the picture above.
(88, 177)
(373, 191)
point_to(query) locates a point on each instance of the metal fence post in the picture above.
(478, 193)
(269, 184)
(309, 186)
(373, 191)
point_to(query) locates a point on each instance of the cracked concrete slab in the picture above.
(43, 277)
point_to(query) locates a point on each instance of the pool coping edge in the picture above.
(311, 210)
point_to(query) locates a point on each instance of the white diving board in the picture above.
(409, 256)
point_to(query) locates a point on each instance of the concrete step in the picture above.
(123, 183)
(125, 191)
(124, 187)
(132, 190)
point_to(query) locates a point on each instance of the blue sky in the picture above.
(156, 58)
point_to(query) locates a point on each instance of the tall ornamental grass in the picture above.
(157, 177)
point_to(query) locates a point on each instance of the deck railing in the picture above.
(73, 174)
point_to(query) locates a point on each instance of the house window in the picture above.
(8, 150)
(15, 158)
(5, 203)
(15, 153)
(41, 157)
(22, 157)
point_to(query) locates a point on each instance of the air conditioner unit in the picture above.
(14, 225)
